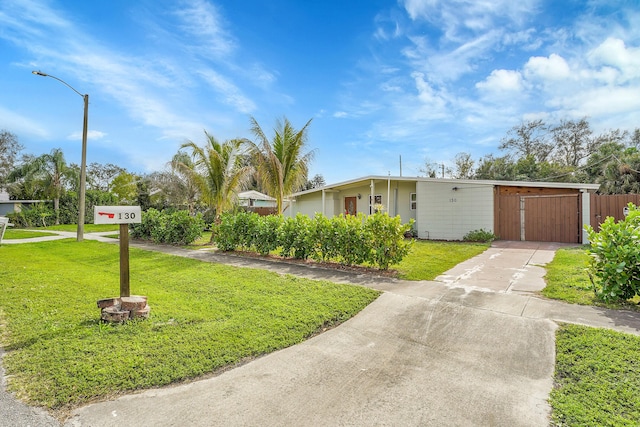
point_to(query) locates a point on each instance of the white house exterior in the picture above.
(443, 209)
(256, 199)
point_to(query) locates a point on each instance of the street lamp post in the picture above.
(83, 162)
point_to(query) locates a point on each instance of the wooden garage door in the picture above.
(549, 218)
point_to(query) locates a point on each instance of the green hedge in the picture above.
(615, 257)
(376, 240)
(177, 228)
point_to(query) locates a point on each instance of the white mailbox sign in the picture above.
(117, 214)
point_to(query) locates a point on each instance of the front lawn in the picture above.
(204, 317)
(597, 378)
(567, 280)
(428, 259)
(24, 234)
(88, 228)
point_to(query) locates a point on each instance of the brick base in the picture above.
(119, 310)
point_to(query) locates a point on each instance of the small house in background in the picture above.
(447, 209)
(13, 206)
(258, 202)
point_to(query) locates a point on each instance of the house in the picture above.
(256, 199)
(13, 206)
(447, 209)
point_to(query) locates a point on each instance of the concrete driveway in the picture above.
(424, 353)
(404, 360)
(475, 348)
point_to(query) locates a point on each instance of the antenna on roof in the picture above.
(400, 164)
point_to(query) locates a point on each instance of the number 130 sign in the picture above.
(116, 215)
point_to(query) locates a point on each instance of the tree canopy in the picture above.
(281, 163)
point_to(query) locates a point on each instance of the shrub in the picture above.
(266, 233)
(481, 236)
(224, 233)
(325, 240)
(377, 240)
(614, 265)
(177, 228)
(295, 237)
(386, 239)
(352, 243)
(36, 215)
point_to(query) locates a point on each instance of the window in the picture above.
(413, 201)
(377, 201)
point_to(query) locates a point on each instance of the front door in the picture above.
(350, 204)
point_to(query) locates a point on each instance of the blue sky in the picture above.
(421, 79)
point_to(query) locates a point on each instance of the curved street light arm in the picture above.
(40, 73)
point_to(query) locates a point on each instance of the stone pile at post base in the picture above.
(121, 309)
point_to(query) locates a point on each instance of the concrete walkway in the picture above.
(476, 347)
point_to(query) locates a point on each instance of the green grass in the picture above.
(429, 259)
(567, 277)
(597, 378)
(88, 228)
(204, 317)
(567, 280)
(24, 234)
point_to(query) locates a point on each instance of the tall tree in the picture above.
(429, 168)
(316, 182)
(124, 187)
(99, 176)
(573, 142)
(282, 164)
(217, 171)
(48, 173)
(496, 168)
(463, 166)
(9, 149)
(180, 185)
(528, 139)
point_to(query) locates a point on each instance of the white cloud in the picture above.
(552, 68)
(91, 134)
(231, 94)
(430, 99)
(501, 81)
(449, 65)
(613, 53)
(201, 21)
(20, 124)
(457, 16)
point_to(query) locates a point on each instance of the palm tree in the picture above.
(47, 173)
(281, 164)
(179, 185)
(217, 171)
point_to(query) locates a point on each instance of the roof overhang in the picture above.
(358, 182)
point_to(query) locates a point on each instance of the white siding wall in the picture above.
(445, 214)
(308, 205)
(404, 191)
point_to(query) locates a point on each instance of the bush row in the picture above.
(42, 214)
(376, 240)
(614, 266)
(176, 228)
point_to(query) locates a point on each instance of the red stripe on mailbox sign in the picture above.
(117, 214)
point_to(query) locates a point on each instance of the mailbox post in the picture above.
(123, 215)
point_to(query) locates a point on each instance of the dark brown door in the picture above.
(350, 205)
